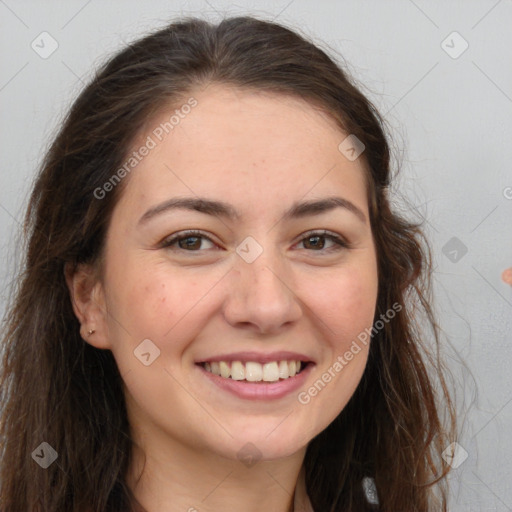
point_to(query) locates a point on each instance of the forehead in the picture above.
(255, 147)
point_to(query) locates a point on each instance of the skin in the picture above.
(259, 152)
(507, 276)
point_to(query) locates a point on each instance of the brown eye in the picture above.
(317, 242)
(189, 241)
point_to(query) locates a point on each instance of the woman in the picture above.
(218, 309)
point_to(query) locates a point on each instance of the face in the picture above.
(240, 245)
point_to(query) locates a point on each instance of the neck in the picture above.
(179, 478)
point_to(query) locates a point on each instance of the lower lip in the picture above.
(259, 390)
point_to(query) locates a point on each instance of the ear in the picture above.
(88, 299)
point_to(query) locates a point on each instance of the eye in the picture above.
(188, 241)
(192, 241)
(316, 240)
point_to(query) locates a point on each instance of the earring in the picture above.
(90, 331)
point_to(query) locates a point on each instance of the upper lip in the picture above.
(257, 357)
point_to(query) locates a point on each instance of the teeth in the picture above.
(215, 368)
(224, 369)
(254, 372)
(237, 371)
(270, 372)
(284, 373)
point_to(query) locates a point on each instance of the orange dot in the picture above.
(507, 276)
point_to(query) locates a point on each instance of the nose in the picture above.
(260, 295)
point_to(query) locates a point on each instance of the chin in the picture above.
(266, 440)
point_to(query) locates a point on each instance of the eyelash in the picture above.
(340, 242)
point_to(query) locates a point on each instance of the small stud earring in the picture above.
(90, 331)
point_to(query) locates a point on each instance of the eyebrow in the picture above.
(225, 210)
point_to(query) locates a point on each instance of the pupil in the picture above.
(193, 245)
(316, 244)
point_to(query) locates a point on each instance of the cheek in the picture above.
(148, 299)
(151, 304)
(147, 296)
(346, 309)
(346, 304)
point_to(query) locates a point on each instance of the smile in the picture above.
(252, 371)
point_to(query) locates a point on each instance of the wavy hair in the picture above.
(57, 388)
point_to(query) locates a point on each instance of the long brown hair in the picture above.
(58, 389)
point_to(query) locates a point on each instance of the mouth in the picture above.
(254, 375)
(255, 372)
(257, 376)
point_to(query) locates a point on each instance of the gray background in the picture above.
(451, 121)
